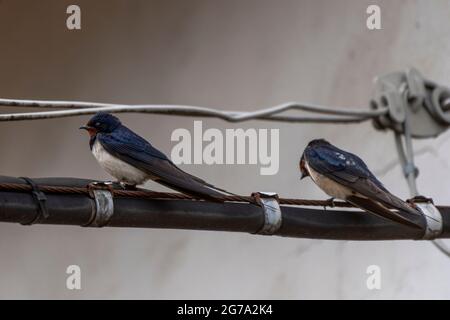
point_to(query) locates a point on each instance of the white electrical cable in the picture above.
(344, 115)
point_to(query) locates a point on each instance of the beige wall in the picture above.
(236, 55)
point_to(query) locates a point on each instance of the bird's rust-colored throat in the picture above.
(92, 131)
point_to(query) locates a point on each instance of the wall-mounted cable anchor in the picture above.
(432, 215)
(40, 199)
(102, 193)
(417, 108)
(272, 212)
(426, 104)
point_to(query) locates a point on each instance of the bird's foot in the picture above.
(127, 186)
(331, 202)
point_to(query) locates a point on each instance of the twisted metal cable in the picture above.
(148, 194)
(75, 108)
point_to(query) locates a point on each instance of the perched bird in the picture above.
(132, 160)
(345, 176)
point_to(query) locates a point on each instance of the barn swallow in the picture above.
(345, 176)
(132, 160)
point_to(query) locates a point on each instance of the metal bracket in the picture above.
(272, 212)
(432, 216)
(102, 193)
(422, 105)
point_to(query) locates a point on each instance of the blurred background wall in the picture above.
(232, 55)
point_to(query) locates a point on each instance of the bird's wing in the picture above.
(379, 210)
(136, 151)
(350, 171)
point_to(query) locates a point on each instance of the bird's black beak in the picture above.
(91, 130)
(303, 170)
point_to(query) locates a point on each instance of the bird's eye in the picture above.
(97, 124)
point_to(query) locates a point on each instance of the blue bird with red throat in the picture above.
(343, 175)
(132, 160)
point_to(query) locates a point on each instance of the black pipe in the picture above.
(74, 209)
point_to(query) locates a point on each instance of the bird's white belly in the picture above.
(329, 186)
(119, 169)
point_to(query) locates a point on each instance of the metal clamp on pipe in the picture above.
(102, 193)
(41, 201)
(432, 216)
(272, 212)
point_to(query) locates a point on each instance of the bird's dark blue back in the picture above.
(129, 143)
(328, 159)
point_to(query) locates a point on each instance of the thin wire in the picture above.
(442, 247)
(407, 157)
(409, 164)
(77, 108)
